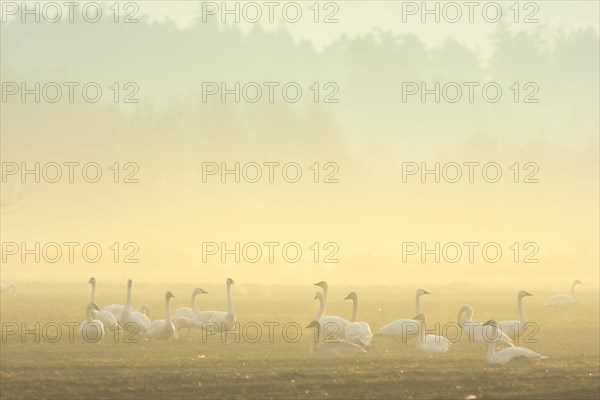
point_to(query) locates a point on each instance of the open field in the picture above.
(208, 368)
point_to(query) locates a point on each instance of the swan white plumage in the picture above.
(427, 342)
(357, 332)
(563, 300)
(92, 330)
(7, 287)
(129, 316)
(507, 354)
(184, 316)
(163, 329)
(222, 320)
(332, 325)
(116, 309)
(189, 311)
(336, 347)
(515, 328)
(106, 317)
(402, 329)
(477, 332)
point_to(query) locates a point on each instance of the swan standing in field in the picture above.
(337, 347)
(357, 332)
(332, 325)
(430, 343)
(402, 329)
(129, 316)
(92, 330)
(117, 309)
(223, 320)
(106, 317)
(7, 287)
(563, 300)
(513, 328)
(184, 316)
(163, 329)
(476, 331)
(506, 355)
(189, 311)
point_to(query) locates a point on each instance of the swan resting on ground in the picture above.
(163, 329)
(402, 329)
(476, 331)
(357, 332)
(513, 328)
(427, 342)
(131, 317)
(336, 347)
(508, 354)
(106, 317)
(91, 329)
(563, 300)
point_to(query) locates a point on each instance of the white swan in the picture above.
(116, 309)
(184, 316)
(513, 328)
(332, 325)
(163, 329)
(402, 329)
(92, 330)
(476, 331)
(419, 293)
(7, 287)
(508, 354)
(336, 347)
(563, 300)
(357, 332)
(189, 311)
(131, 317)
(223, 320)
(427, 342)
(106, 317)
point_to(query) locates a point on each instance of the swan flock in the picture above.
(333, 335)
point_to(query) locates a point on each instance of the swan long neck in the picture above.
(418, 308)
(168, 313)
(89, 314)
(522, 318)
(325, 291)
(93, 298)
(321, 309)
(128, 302)
(573, 289)
(354, 308)
(229, 303)
(194, 306)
